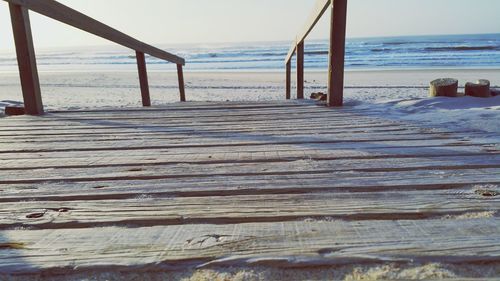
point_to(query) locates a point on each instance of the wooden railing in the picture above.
(26, 54)
(336, 54)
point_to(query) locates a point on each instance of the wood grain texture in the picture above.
(288, 244)
(167, 210)
(258, 166)
(241, 184)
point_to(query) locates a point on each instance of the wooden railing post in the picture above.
(300, 70)
(180, 75)
(288, 80)
(26, 60)
(143, 78)
(337, 52)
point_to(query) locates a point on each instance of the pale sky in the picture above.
(210, 21)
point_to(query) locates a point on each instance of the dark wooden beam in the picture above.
(180, 75)
(288, 80)
(338, 24)
(300, 70)
(26, 60)
(143, 78)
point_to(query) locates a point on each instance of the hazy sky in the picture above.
(198, 21)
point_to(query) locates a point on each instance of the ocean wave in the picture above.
(403, 52)
(462, 48)
(395, 43)
(382, 50)
(423, 41)
(316, 53)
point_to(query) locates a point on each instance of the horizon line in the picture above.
(251, 41)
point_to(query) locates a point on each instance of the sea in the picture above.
(382, 53)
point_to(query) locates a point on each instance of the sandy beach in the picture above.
(396, 94)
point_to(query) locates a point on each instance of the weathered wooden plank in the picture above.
(180, 119)
(331, 140)
(205, 111)
(62, 13)
(260, 128)
(221, 121)
(225, 125)
(166, 133)
(231, 142)
(281, 154)
(338, 151)
(153, 134)
(200, 130)
(124, 127)
(487, 173)
(208, 138)
(210, 107)
(291, 244)
(210, 184)
(223, 116)
(156, 136)
(153, 210)
(259, 166)
(243, 138)
(202, 106)
(179, 133)
(205, 106)
(63, 122)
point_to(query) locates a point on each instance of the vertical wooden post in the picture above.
(300, 70)
(143, 78)
(289, 80)
(26, 60)
(181, 82)
(337, 53)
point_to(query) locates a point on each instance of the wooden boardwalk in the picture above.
(214, 184)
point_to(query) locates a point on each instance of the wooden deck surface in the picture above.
(217, 184)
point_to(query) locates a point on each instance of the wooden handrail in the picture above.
(319, 9)
(338, 22)
(57, 11)
(62, 13)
